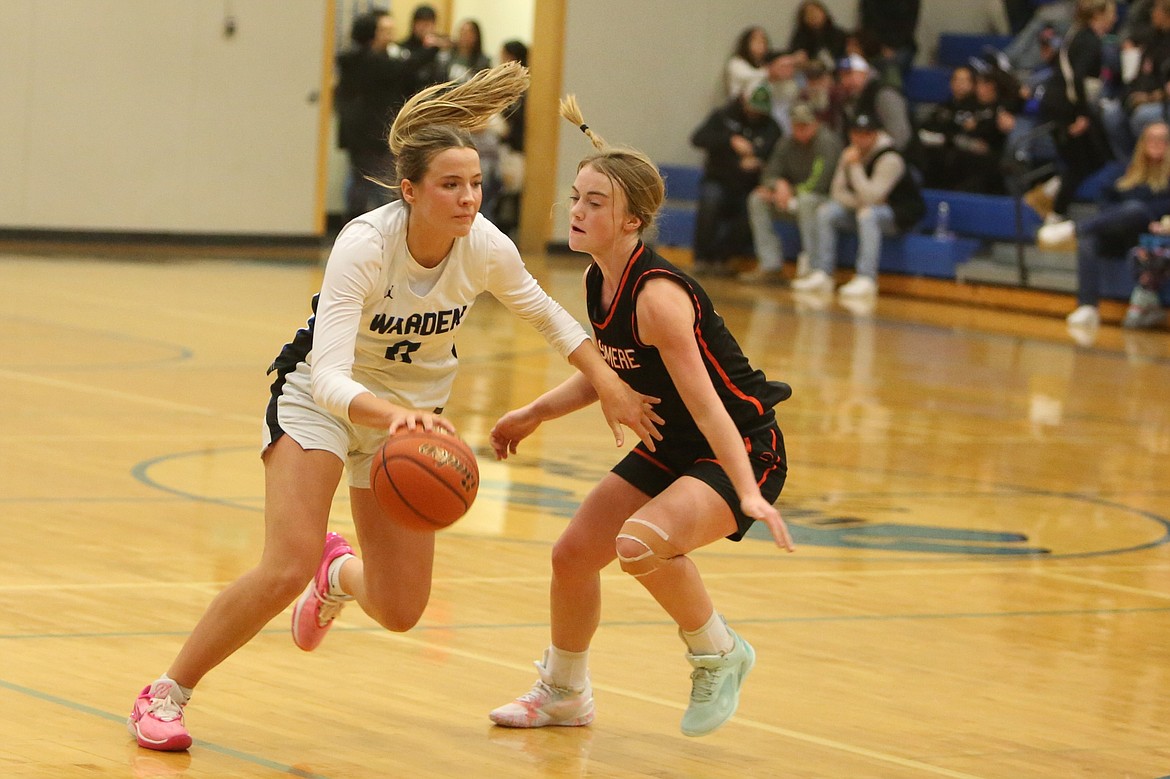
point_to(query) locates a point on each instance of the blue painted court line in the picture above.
(121, 720)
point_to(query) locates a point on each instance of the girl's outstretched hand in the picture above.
(510, 430)
(763, 511)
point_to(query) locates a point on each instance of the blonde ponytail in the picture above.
(571, 111)
(629, 169)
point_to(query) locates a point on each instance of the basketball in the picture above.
(424, 480)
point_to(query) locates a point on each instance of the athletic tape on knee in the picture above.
(653, 539)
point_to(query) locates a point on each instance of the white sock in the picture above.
(566, 669)
(335, 576)
(179, 693)
(711, 639)
(1052, 186)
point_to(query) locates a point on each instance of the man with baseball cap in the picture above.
(793, 184)
(873, 193)
(866, 93)
(737, 138)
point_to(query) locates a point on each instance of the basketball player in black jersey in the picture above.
(718, 467)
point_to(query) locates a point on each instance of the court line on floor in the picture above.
(121, 720)
(1104, 585)
(808, 738)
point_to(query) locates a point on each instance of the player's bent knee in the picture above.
(394, 617)
(643, 547)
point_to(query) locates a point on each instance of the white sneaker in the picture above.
(858, 287)
(1084, 316)
(817, 281)
(1057, 235)
(546, 704)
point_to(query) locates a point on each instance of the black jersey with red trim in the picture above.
(745, 391)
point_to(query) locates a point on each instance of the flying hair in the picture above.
(468, 106)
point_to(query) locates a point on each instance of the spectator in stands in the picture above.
(465, 57)
(512, 160)
(794, 183)
(1151, 262)
(1138, 21)
(737, 138)
(1145, 96)
(815, 36)
(422, 46)
(369, 92)
(821, 93)
(785, 84)
(1025, 146)
(1024, 50)
(936, 133)
(1071, 97)
(746, 64)
(865, 93)
(979, 144)
(895, 24)
(874, 193)
(1139, 197)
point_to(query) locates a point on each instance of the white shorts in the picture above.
(293, 411)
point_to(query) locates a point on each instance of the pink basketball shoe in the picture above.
(157, 720)
(313, 615)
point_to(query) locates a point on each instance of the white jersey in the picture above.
(386, 325)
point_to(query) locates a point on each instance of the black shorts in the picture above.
(653, 472)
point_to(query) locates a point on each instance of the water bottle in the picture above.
(942, 225)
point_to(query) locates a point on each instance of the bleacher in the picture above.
(974, 220)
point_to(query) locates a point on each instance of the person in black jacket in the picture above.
(815, 36)
(371, 86)
(1071, 99)
(894, 23)
(737, 139)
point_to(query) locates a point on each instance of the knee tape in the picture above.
(656, 545)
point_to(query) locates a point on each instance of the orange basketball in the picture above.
(424, 480)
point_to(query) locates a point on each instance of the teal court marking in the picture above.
(920, 542)
(90, 711)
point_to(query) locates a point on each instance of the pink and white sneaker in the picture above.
(316, 608)
(156, 720)
(546, 704)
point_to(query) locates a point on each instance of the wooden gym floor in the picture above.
(981, 589)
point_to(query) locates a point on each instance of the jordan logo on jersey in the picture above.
(619, 358)
(429, 323)
(390, 292)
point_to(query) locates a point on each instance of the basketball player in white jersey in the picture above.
(378, 356)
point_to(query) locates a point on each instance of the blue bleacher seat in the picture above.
(956, 49)
(974, 218)
(988, 217)
(676, 225)
(682, 181)
(927, 85)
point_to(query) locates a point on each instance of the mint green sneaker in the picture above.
(715, 684)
